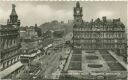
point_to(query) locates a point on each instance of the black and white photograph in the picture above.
(63, 40)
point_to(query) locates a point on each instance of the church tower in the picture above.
(13, 17)
(78, 13)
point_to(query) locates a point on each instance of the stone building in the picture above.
(28, 32)
(10, 46)
(75, 63)
(100, 34)
(47, 38)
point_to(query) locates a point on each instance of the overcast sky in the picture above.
(39, 12)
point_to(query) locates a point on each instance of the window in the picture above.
(3, 65)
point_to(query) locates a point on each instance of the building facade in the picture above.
(76, 59)
(10, 46)
(99, 34)
(47, 38)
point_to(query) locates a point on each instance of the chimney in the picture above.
(91, 20)
(116, 20)
(104, 19)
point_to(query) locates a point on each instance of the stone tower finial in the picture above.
(13, 6)
(13, 10)
(13, 15)
(78, 13)
(77, 4)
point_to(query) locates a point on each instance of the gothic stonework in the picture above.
(101, 34)
(76, 59)
(10, 41)
(78, 14)
(13, 17)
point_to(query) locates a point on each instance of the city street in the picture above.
(51, 65)
(62, 40)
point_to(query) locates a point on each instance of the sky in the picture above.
(39, 12)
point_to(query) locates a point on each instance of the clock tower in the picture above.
(76, 59)
(78, 13)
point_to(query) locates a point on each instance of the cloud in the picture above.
(3, 16)
(104, 13)
(31, 14)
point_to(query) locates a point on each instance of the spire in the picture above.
(77, 4)
(13, 13)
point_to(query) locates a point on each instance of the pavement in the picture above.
(119, 59)
(51, 64)
(68, 61)
(57, 73)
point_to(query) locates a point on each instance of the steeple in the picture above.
(13, 10)
(78, 13)
(13, 15)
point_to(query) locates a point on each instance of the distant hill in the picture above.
(55, 25)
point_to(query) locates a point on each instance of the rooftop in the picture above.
(8, 27)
